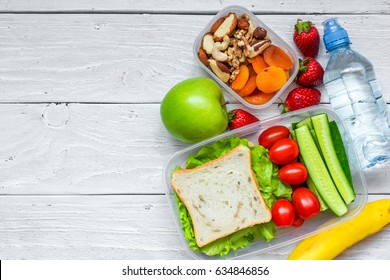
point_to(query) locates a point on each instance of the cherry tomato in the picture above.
(294, 187)
(272, 134)
(298, 221)
(284, 151)
(283, 213)
(305, 203)
(293, 173)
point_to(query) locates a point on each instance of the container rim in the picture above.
(332, 220)
(279, 42)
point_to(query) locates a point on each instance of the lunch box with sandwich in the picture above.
(284, 235)
(275, 39)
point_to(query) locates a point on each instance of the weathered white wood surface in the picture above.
(134, 58)
(200, 6)
(82, 146)
(115, 227)
(95, 149)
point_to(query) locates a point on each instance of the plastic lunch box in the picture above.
(284, 236)
(276, 40)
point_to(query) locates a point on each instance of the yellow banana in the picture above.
(330, 243)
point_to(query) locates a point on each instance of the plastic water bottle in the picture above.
(355, 94)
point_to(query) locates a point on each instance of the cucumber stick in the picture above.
(308, 122)
(312, 187)
(318, 171)
(309, 181)
(340, 150)
(324, 137)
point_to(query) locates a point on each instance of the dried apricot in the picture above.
(258, 97)
(259, 64)
(287, 74)
(241, 79)
(275, 56)
(249, 87)
(251, 70)
(271, 79)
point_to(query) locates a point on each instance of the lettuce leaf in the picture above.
(270, 186)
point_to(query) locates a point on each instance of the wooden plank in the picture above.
(134, 58)
(116, 227)
(201, 6)
(84, 148)
(95, 149)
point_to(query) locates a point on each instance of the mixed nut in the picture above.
(233, 41)
(230, 42)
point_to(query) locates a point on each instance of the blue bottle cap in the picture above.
(334, 34)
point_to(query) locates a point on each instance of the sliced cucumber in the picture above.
(340, 150)
(322, 130)
(307, 121)
(318, 172)
(312, 187)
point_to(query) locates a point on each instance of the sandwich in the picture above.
(224, 195)
(221, 196)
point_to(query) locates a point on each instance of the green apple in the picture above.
(194, 110)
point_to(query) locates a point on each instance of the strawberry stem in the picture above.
(303, 26)
(231, 116)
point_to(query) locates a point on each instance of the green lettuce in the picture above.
(270, 186)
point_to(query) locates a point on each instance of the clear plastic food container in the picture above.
(284, 236)
(275, 39)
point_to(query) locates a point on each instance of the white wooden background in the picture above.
(82, 146)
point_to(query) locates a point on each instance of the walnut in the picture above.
(234, 74)
(239, 33)
(234, 53)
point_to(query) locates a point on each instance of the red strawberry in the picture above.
(239, 118)
(307, 38)
(300, 98)
(310, 73)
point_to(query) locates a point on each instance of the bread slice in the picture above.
(222, 196)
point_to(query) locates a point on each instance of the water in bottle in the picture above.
(355, 94)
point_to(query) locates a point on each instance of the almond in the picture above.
(203, 57)
(243, 24)
(226, 28)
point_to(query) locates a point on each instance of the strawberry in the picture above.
(300, 98)
(239, 118)
(310, 73)
(307, 38)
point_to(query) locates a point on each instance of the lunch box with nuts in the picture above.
(246, 57)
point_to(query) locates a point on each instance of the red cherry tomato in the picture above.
(284, 151)
(305, 203)
(298, 221)
(283, 213)
(272, 134)
(293, 173)
(294, 187)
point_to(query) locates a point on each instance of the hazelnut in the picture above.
(259, 33)
(243, 23)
